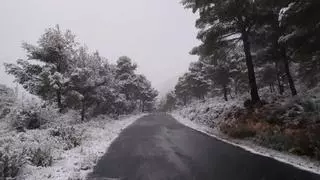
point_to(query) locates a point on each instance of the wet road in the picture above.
(157, 147)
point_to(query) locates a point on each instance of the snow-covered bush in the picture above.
(32, 115)
(69, 136)
(27, 119)
(40, 157)
(10, 163)
(7, 100)
(210, 112)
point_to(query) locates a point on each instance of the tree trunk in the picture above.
(83, 111)
(251, 74)
(230, 93)
(225, 93)
(184, 100)
(288, 73)
(236, 88)
(142, 108)
(285, 60)
(280, 85)
(272, 88)
(59, 100)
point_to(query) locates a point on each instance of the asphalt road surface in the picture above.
(157, 147)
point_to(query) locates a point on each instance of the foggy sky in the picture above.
(156, 34)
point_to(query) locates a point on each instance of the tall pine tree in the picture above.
(223, 23)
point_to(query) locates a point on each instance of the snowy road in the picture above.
(158, 147)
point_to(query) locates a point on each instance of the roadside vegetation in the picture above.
(257, 74)
(73, 102)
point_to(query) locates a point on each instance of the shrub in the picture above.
(69, 135)
(238, 131)
(296, 141)
(32, 116)
(275, 116)
(7, 100)
(26, 119)
(40, 157)
(314, 136)
(310, 105)
(275, 140)
(4, 113)
(10, 163)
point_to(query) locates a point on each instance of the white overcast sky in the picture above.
(156, 34)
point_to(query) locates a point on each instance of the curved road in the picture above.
(157, 147)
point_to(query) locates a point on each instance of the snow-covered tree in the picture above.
(267, 31)
(222, 24)
(145, 93)
(182, 90)
(44, 73)
(221, 77)
(125, 74)
(168, 103)
(268, 76)
(196, 78)
(300, 20)
(58, 70)
(7, 99)
(86, 76)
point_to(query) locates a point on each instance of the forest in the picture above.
(249, 45)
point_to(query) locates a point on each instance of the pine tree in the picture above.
(266, 35)
(300, 20)
(145, 93)
(169, 102)
(86, 77)
(182, 90)
(196, 77)
(223, 23)
(221, 77)
(125, 74)
(48, 78)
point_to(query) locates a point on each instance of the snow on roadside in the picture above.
(303, 163)
(209, 112)
(76, 163)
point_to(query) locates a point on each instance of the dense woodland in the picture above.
(63, 73)
(247, 45)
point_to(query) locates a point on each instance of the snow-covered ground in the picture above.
(74, 163)
(210, 112)
(297, 161)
